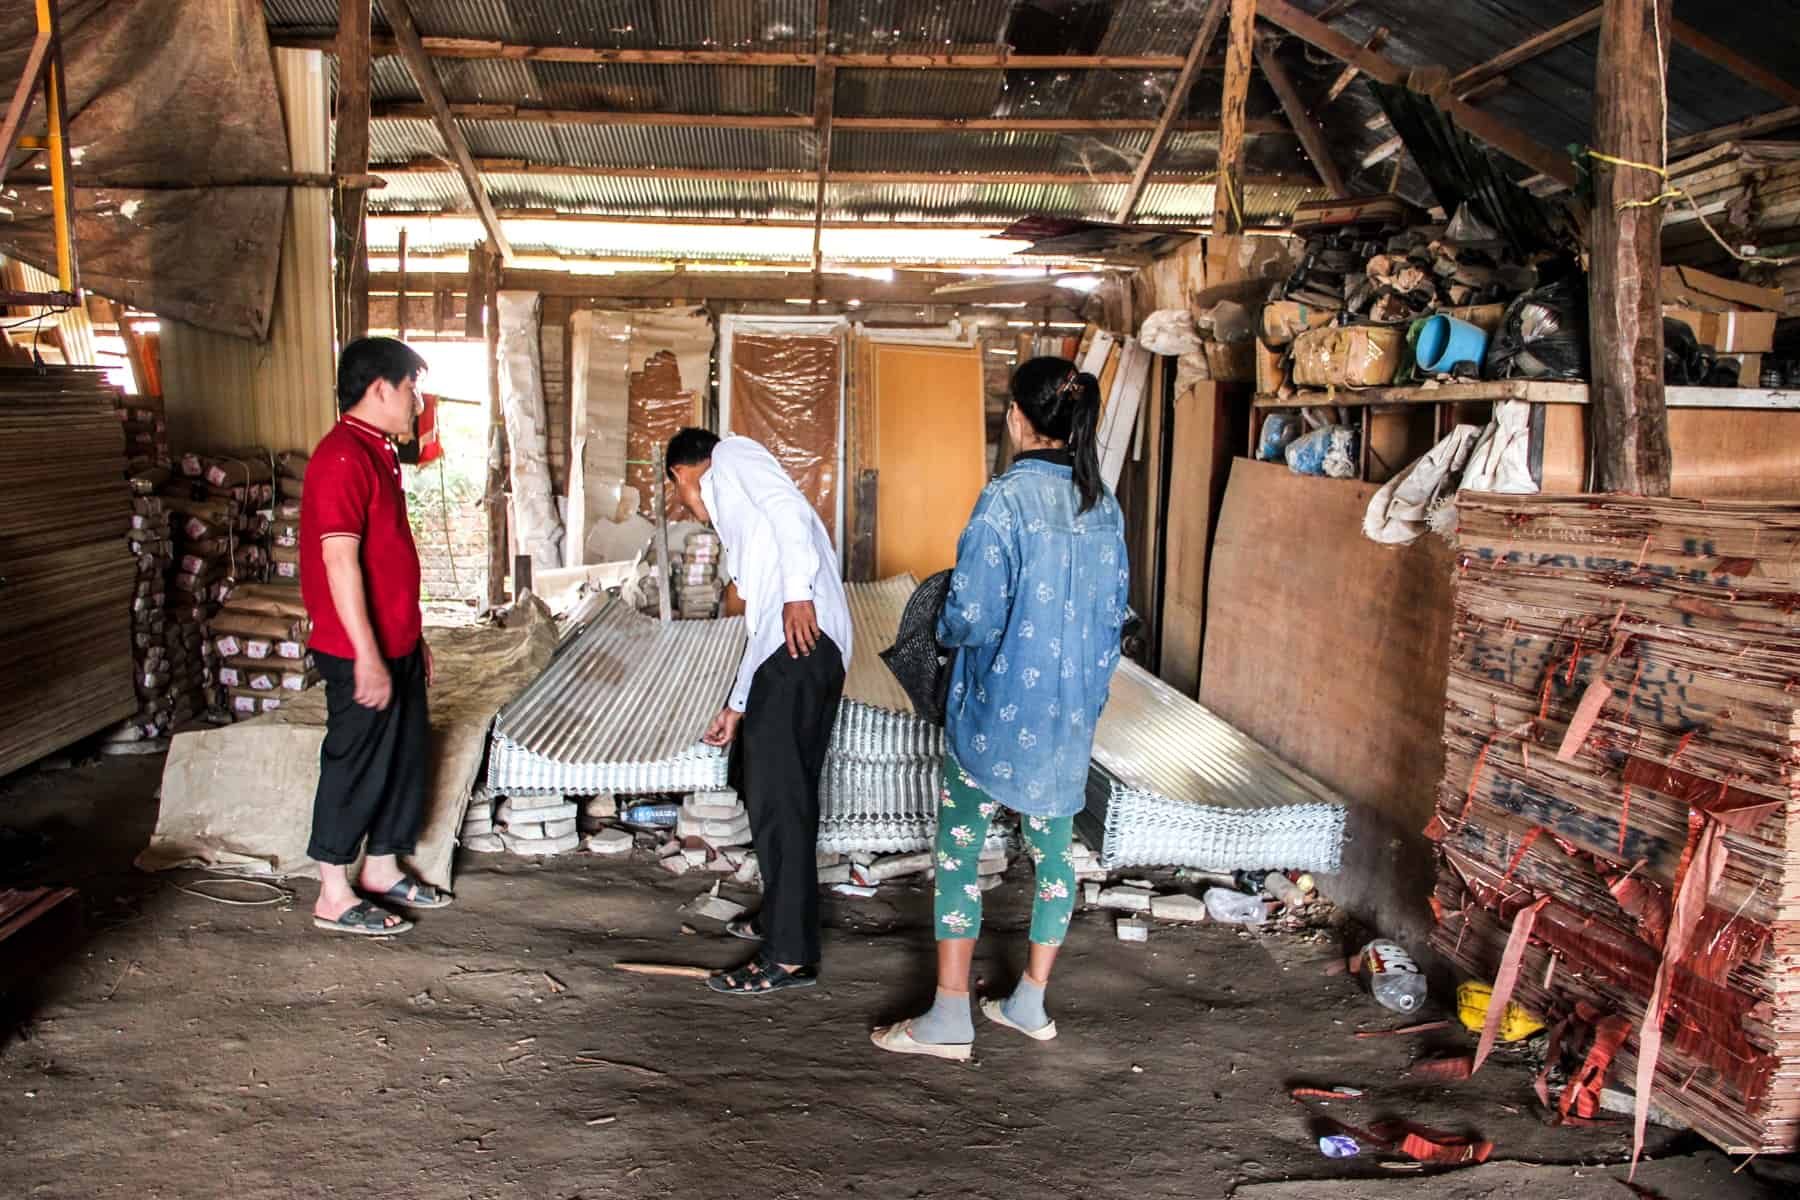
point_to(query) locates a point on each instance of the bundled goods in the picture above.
(66, 627)
(152, 549)
(1618, 825)
(146, 432)
(257, 644)
(284, 523)
(1749, 192)
(697, 589)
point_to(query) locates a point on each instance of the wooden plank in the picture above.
(1751, 72)
(402, 110)
(24, 98)
(495, 496)
(514, 166)
(1176, 104)
(1347, 76)
(1312, 136)
(824, 97)
(975, 58)
(350, 156)
(400, 296)
(1525, 51)
(1750, 127)
(1384, 151)
(406, 34)
(1628, 413)
(1316, 33)
(1199, 441)
(1228, 208)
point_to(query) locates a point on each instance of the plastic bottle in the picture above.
(1282, 888)
(1234, 908)
(1394, 977)
(654, 815)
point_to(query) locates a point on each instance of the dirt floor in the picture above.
(189, 1049)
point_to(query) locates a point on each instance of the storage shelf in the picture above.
(1537, 391)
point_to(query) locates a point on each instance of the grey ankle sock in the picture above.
(1025, 1007)
(946, 1022)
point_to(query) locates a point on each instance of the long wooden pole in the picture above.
(351, 157)
(1626, 406)
(824, 100)
(1228, 204)
(496, 497)
(1311, 134)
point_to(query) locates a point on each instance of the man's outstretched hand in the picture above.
(800, 621)
(723, 729)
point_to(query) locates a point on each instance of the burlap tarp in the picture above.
(241, 796)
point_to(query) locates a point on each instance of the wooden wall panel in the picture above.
(1717, 453)
(930, 452)
(1200, 446)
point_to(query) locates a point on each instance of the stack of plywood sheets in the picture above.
(1620, 795)
(65, 607)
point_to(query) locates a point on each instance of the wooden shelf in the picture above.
(1534, 390)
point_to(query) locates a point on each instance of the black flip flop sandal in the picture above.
(364, 919)
(745, 928)
(760, 978)
(414, 893)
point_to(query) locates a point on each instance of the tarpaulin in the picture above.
(160, 91)
(540, 528)
(786, 389)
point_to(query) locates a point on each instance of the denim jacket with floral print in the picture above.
(1035, 607)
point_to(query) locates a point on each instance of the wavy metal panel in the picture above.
(875, 610)
(223, 391)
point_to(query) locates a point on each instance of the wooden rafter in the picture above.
(516, 166)
(1525, 51)
(1435, 84)
(1348, 75)
(1751, 72)
(824, 96)
(974, 58)
(1312, 136)
(1749, 127)
(403, 110)
(1177, 102)
(1228, 208)
(406, 35)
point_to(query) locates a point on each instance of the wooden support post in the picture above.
(521, 574)
(1345, 78)
(496, 495)
(1228, 205)
(1312, 136)
(1172, 110)
(400, 307)
(824, 98)
(1626, 409)
(662, 537)
(351, 157)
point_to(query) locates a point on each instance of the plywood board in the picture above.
(930, 452)
(1715, 453)
(1119, 419)
(1199, 445)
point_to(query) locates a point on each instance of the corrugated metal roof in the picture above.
(695, 197)
(402, 141)
(628, 87)
(966, 201)
(916, 26)
(868, 150)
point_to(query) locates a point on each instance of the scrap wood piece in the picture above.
(588, 1059)
(1444, 1070)
(1507, 978)
(675, 970)
(1586, 714)
(1424, 1027)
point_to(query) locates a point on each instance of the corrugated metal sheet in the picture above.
(865, 150)
(875, 610)
(629, 87)
(903, 93)
(629, 145)
(916, 26)
(694, 197)
(402, 141)
(1001, 202)
(230, 392)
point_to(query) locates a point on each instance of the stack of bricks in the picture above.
(538, 825)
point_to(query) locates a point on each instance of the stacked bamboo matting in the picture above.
(1689, 614)
(65, 606)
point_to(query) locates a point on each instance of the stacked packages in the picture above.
(697, 587)
(259, 647)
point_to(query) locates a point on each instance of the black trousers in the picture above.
(781, 752)
(374, 765)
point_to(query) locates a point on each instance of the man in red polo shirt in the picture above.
(359, 577)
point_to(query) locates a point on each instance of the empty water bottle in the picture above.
(1234, 908)
(654, 815)
(1394, 977)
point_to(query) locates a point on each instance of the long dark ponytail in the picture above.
(1063, 404)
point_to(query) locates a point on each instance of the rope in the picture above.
(449, 538)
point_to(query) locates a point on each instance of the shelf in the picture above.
(1537, 391)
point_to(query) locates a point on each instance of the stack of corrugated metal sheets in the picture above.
(1173, 785)
(620, 708)
(65, 607)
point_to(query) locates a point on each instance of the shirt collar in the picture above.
(367, 430)
(1063, 457)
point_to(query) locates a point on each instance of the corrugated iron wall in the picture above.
(230, 392)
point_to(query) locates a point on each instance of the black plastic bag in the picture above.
(921, 665)
(1543, 335)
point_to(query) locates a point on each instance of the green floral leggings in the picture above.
(964, 814)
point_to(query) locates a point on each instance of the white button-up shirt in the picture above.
(779, 551)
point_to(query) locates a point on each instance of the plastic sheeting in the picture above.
(539, 528)
(785, 389)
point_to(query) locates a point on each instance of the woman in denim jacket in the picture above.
(1035, 609)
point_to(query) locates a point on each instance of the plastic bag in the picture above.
(1400, 512)
(1279, 429)
(1543, 335)
(1501, 460)
(1327, 452)
(1227, 321)
(1170, 331)
(1467, 229)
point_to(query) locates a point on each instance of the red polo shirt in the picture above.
(353, 490)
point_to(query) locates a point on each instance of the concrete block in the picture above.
(483, 843)
(476, 826)
(1178, 907)
(611, 841)
(541, 846)
(714, 806)
(1133, 929)
(1126, 899)
(677, 864)
(526, 829)
(536, 809)
(840, 873)
(560, 829)
(696, 856)
(602, 805)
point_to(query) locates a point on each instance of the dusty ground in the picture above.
(189, 1049)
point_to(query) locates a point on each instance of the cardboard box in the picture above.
(1690, 287)
(1285, 320)
(1738, 331)
(1271, 371)
(1749, 368)
(1349, 356)
(1231, 362)
(1486, 317)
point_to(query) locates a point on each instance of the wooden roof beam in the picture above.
(1177, 102)
(1312, 136)
(1525, 51)
(984, 58)
(1376, 41)
(1750, 72)
(411, 111)
(350, 156)
(1749, 127)
(1434, 83)
(824, 97)
(406, 34)
(514, 166)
